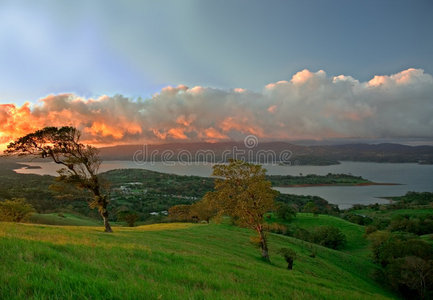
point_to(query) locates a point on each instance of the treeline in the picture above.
(309, 204)
(406, 263)
(34, 188)
(334, 179)
(400, 235)
(411, 213)
(286, 206)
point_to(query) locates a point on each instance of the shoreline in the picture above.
(336, 184)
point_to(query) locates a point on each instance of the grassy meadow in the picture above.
(356, 243)
(63, 219)
(174, 261)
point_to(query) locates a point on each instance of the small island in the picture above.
(27, 167)
(321, 180)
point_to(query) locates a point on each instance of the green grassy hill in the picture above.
(389, 214)
(63, 219)
(356, 243)
(171, 261)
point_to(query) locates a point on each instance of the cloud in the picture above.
(311, 105)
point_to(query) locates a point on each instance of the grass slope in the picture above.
(170, 261)
(63, 219)
(389, 214)
(356, 243)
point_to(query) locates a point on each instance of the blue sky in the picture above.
(135, 48)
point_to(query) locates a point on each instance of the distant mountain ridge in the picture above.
(278, 152)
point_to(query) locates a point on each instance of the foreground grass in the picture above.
(170, 261)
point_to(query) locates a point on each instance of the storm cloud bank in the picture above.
(311, 105)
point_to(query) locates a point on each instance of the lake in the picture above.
(412, 177)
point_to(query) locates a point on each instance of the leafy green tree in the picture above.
(181, 212)
(129, 217)
(407, 262)
(243, 193)
(413, 273)
(311, 207)
(285, 211)
(80, 163)
(387, 246)
(15, 210)
(329, 236)
(204, 209)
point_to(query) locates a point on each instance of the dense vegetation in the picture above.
(131, 190)
(401, 234)
(312, 179)
(34, 188)
(412, 213)
(15, 210)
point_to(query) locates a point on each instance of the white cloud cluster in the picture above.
(311, 105)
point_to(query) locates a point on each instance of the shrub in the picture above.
(289, 256)
(302, 234)
(370, 229)
(285, 212)
(313, 251)
(329, 236)
(411, 273)
(407, 262)
(419, 225)
(387, 246)
(381, 223)
(15, 210)
(181, 213)
(311, 207)
(357, 219)
(130, 218)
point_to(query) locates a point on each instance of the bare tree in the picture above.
(80, 162)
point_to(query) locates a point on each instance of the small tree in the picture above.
(181, 212)
(284, 211)
(243, 193)
(289, 256)
(15, 210)
(80, 162)
(412, 272)
(311, 207)
(329, 236)
(204, 209)
(129, 217)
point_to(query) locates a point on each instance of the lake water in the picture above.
(412, 177)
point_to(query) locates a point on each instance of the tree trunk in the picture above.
(263, 244)
(290, 263)
(102, 204)
(107, 226)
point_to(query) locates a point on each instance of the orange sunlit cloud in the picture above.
(178, 133)
(309, 106)
(214, 134)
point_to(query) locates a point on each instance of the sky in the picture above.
(276, 69)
